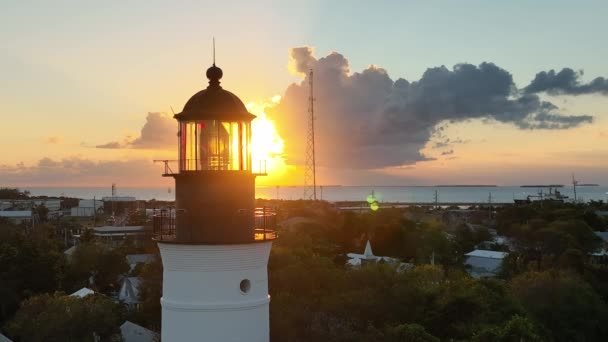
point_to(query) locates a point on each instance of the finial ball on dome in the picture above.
(214, 73)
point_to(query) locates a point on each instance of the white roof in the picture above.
(368, 250)
(129, 291)
(83, 292)
(139, 258)
(602, 235)
(487, 254)
(603, 252)
(69, 251)
(117, 229)
(132, 332)
(119, 199)
(16, 213)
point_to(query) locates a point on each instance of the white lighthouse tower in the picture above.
(215, 244)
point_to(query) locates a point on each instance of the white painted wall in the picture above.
(202, 299)
(483, 267)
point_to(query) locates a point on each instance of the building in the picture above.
(129, 292)
(136, 259)
(367, 256)
(484, 264)
(356, 260)
(87, 208)
(83, 292)
(215, 257)
(132, 332)
(18, 216)
(115, 235)
(118, 205)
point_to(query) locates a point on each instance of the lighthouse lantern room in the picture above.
(215, 243)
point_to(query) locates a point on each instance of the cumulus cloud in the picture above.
(368, 120)
(567, 82)
(157, 133)
(77, 170)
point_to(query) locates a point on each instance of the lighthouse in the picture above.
(215, 243)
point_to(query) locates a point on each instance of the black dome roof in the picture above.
(214, 103)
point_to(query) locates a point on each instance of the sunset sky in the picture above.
(87, 90)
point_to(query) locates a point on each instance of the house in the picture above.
(484, 264)
(86, 208)
(601, 256)
(83, 292)
(603, 236)
(114, 235)
(129, 292)
(17, 216)
(135, 259)
(602, 213)
(132, 332)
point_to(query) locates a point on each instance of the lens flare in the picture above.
(266, 143)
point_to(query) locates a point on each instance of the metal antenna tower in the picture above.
(310, 173)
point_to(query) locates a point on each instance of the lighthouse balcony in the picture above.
(212, 163)
(255, 225)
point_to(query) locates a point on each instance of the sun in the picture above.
(266, 143)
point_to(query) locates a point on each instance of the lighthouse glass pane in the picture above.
(214, 145)
(246, 142)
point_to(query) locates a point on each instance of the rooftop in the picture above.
(119, 229)
(83, 292)
(487, 254)
(16, 213)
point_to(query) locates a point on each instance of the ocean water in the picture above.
(403, 194)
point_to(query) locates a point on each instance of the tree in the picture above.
(96, 260)
(409, 333)
(567, 307)
(42, 211)
(150, 292)
(65, 318)
(30, 263)
(517, 329)
(14, 194)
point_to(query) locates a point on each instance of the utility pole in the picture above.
(94, 212)
(310, 172)
(490, 206)
(574, 184)
(113, 194)
(436, 199)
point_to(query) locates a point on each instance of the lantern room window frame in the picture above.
(214, 145)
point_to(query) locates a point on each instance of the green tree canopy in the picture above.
(59, 317)
(567, 307)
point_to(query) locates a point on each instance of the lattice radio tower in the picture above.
(310, 173)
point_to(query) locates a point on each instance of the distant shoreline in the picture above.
(542, 186)
(467, 186)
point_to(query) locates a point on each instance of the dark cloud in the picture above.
(367, 120)
(157, 133)
(78, 170)
(447, 153)
(567, 82)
